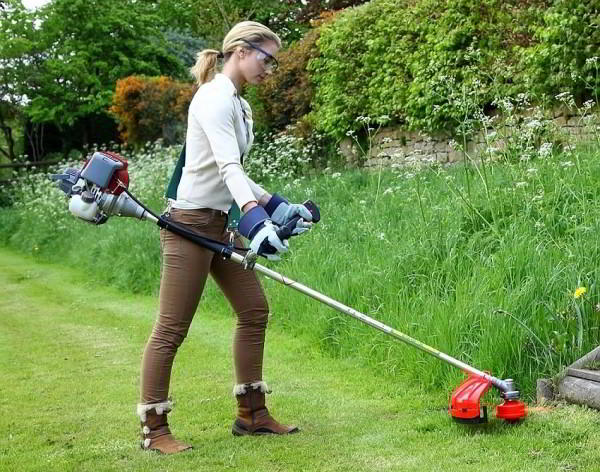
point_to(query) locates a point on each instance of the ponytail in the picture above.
(206, 65)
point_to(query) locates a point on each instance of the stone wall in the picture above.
(394, 146)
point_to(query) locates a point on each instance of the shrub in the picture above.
(149, 108)
(564, 56)
(293, 20)
(286, 96)
(431, 64)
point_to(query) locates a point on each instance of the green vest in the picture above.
(234, 211)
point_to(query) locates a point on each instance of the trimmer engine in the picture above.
(99, 189)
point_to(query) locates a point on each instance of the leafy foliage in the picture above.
(287, 95)
(184, 46)
(564, 56)
(212, 19)
(17, 57)
(84, 58)
(151, 108)
(431, 64)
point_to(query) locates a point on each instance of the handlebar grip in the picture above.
(266, 248)
(314, 210)
(285, 231)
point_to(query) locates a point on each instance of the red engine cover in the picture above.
(120, 179)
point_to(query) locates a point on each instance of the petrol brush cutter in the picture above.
(100, 190)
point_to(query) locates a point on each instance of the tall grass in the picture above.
(486, 272)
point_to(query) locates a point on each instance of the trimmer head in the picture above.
(511, 410)
(465, 403)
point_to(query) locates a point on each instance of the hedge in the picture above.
(431, 64)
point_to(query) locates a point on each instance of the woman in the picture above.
(219, 134)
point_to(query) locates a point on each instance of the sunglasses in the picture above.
(267, 59)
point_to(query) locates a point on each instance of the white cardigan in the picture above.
(219, 132)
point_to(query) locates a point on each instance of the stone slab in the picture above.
(544, 390)
(580, 391)
(591, 356)
(593, 375)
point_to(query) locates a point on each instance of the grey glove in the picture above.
(256, 226)
(282, 212)
(266, 239)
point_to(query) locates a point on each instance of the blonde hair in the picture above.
(206, 61)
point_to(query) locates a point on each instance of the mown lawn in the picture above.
(70, 352)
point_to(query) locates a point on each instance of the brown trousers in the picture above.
(185, 268)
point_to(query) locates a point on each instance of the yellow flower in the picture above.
(579, 292)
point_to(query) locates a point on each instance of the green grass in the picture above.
(71, 350)
(481, 263)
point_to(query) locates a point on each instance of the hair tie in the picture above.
(220, 55)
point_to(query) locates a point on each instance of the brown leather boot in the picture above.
(156, 435)
(253, 418)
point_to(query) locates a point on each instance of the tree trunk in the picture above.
(10, 142)
(35, 136)
(32, 132)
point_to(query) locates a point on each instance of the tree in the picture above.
(17, 56)
(212, 19)
(63, 70)
(184, 46)
(84, 58)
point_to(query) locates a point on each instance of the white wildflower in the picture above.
(566, 98)
(545, 150)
